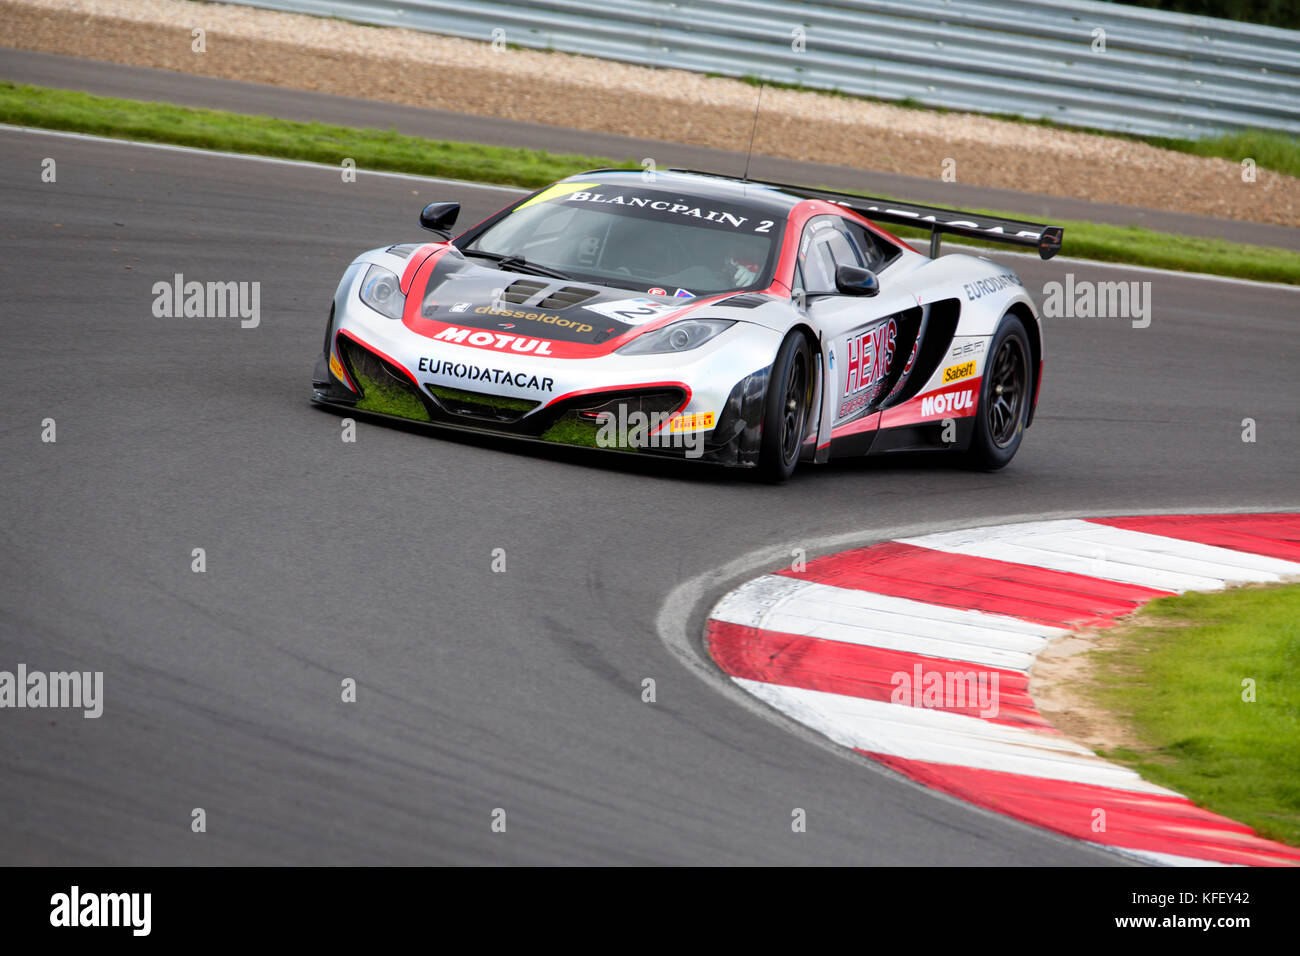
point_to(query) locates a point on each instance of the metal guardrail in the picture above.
(1159, 74)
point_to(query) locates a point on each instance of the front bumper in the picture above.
(704, 405)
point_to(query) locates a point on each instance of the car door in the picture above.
(859, 342)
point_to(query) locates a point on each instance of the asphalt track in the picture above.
(372, 560)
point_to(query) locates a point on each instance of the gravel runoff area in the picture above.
(422, 69)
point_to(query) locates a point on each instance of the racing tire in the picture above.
(785, 410)
(1006, 392)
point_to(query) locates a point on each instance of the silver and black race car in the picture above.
(731, 321)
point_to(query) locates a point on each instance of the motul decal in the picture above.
(494, 340)
(960, 400)
(948, 403)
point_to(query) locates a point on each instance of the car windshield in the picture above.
(637, 237)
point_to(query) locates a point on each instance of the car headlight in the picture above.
(382, 291)
(678, 337)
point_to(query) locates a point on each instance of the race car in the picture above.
(732, 321)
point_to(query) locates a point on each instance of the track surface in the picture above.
(476, 690)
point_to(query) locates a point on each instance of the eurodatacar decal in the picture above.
(476, 373)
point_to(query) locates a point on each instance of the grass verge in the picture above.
(289, 139)
(389, 150)
(1177, 678)
(1268, 148)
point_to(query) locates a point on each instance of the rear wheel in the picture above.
(785, 412)
(1005, 394)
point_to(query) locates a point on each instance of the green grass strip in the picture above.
(1268, 148)
(568, 432)
(500, 402)
(1177, 679)
(392, 151)
(268, 136)
(389, 400)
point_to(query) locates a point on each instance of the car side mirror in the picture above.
(853, 280)
(439, 217)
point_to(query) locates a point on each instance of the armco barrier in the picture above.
(1077, 62)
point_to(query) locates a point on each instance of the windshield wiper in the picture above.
(517, 264)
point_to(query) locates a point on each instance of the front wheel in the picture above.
(1005, 395)
(785, 411)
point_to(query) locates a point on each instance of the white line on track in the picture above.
(252, 157)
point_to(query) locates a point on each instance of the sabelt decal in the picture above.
(955, 372)
(477, 373)
(692, 423)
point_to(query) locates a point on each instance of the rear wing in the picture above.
(1046, 239)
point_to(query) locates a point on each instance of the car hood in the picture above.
(560, 310)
